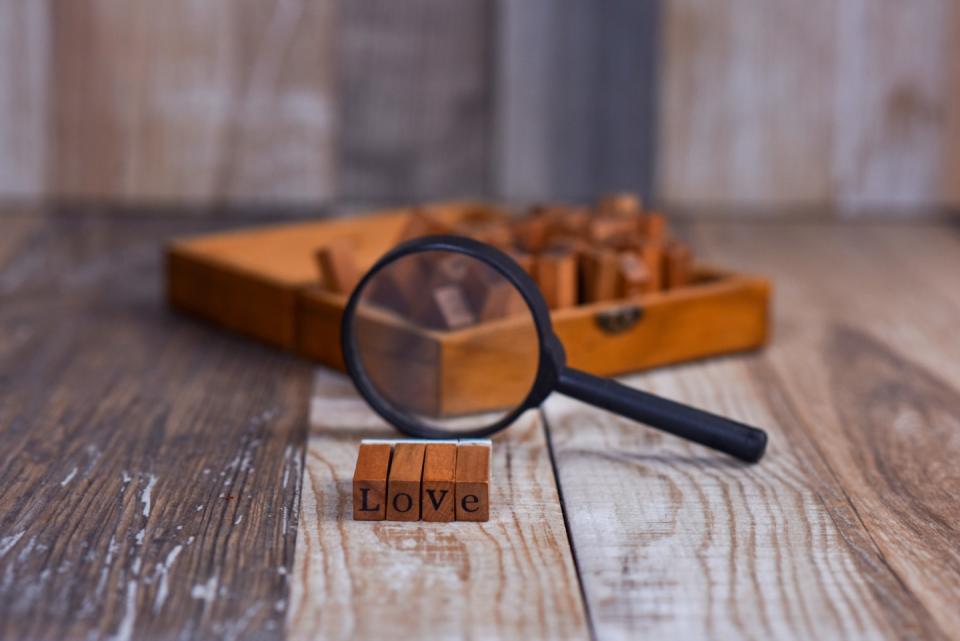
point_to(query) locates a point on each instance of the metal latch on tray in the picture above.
(619, 319)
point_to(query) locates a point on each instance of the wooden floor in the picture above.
(161, 480)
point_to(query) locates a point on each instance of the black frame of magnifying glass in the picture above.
(552, 357)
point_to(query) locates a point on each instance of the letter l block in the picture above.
(370, 482)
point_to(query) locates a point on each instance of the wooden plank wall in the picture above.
(820, 102)
(24, 40)
(194, 100)
(414, 99)
(730, 104)
(576, 99)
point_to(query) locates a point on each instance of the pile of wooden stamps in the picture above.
(577, 255)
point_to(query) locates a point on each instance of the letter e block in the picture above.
(403, 488)
(472, 483)
(439, 474)
(370, 482)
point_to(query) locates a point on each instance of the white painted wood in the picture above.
(511, 577)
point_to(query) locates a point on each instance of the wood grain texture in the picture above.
(414, 104)
(24, 53)
(873, 381)
(192, 101)
(808, 104)
(149, 467)
(576, 98)
(512, 577)
(846, 528)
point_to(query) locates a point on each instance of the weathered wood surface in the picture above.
(849, 527)
(512, 577)
(149, 465)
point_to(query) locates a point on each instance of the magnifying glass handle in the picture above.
(742, 441)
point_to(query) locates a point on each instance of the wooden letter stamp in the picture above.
(337, 267)
(403, 491)
(439, 473)
(370, 482)
(678, 265)
(472, 482)
(556, 274)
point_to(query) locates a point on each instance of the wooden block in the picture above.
(370, 482)
(522, 257)
(566, 222)
(654, 227)
(496, 233)
(678, 265)
(619, 204)
(652, 255)
(599, 275)
(338, 268)
(491, 295)
(556, 275)
(439, 475)
(455, 311)
(472, 482)
(399, 286)
(403, 489)
(530, 232)
(604, 228)
(450, 268)
(633, 277)
(422, 222)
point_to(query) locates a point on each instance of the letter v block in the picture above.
(439, 472)
(370, 482)
(403, 488)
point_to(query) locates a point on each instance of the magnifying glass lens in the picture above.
(445, 340)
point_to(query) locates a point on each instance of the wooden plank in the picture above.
(849, 104)
(576, 99)
(747, 101)
(836, 533)
(950, 183)
(24, 44)
(892, 98)
(413, 99)
(149, 466)
(192, 100)
(508, 578)
(874, 384)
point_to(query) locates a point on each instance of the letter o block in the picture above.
(403, 489)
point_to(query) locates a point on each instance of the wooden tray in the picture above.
(264, 283)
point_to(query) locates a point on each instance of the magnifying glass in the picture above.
(446, 336)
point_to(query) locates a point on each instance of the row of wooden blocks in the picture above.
(577, 255)
(410, 480)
